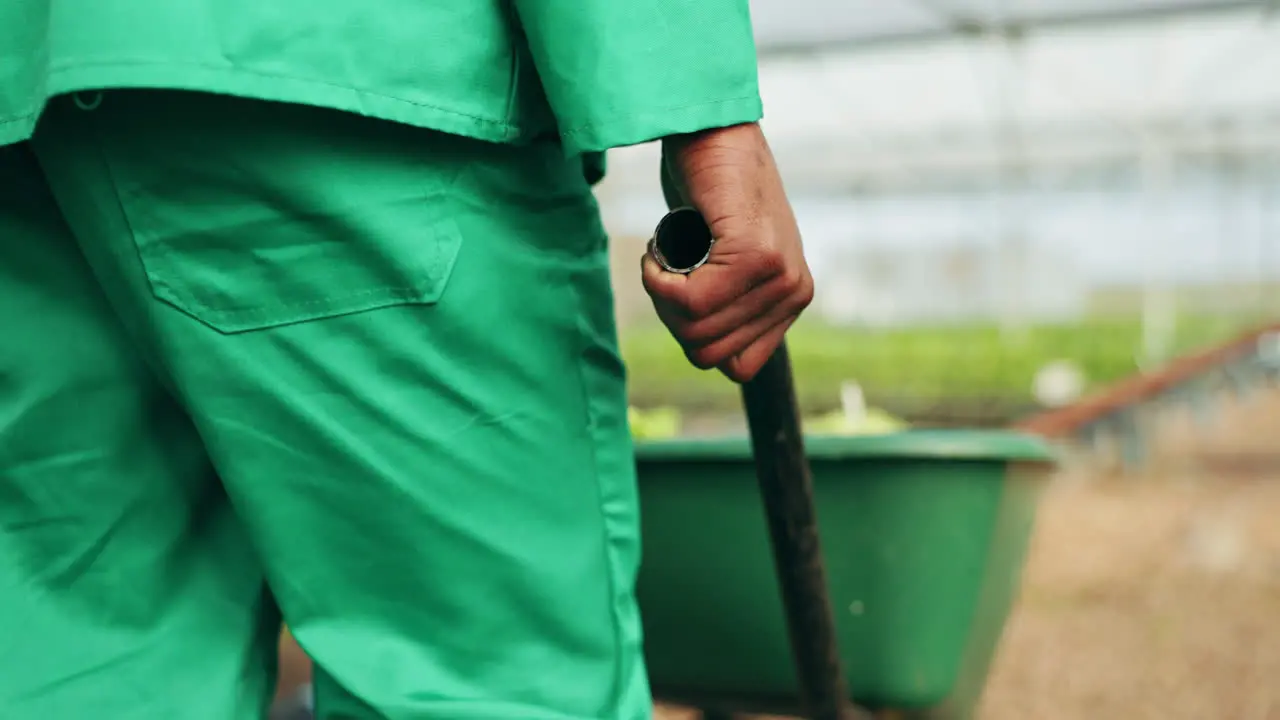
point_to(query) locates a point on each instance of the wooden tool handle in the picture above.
(786, 489)
(681, 243)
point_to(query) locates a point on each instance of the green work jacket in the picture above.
(594, 74)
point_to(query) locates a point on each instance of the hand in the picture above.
(732, 312)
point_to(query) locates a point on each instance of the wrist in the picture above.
(714, 167)
(744, 136)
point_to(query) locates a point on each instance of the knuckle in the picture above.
(804, 292)
(793, 279)
(694, 305)
(770, 261)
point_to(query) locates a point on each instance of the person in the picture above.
(308, 316)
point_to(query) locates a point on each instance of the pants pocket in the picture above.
(248, 216)
(249, 276)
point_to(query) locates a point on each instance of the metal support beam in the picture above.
(1013, 26)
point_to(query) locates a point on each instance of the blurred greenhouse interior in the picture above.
(994, 194)
(1009, 206)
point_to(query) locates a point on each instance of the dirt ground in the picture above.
(1156, 595)
(1153, 594)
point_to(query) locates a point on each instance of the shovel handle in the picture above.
(786, 489)
(681, 243)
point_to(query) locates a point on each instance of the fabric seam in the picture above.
(155, 358)
(584, 339)
(443, 231)
(604, 123)
(15, 119)
(303, 310)
(66, 67)
(504, 125)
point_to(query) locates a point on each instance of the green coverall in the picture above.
(306, 312)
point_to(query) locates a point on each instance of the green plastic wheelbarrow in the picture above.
(923, 534)
(881, 570)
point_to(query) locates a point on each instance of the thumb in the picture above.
(659, 283)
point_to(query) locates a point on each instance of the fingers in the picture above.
(741, 333)
(779, 295)
(732, 311)
(743, 367)
(737, 329)
(729, 275)
(662, 285)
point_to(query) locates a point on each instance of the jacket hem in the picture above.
(256, 85)
(648, 125)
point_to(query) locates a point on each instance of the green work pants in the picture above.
(265, 360)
